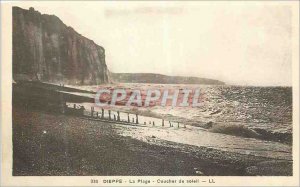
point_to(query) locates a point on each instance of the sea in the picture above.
(243, 119)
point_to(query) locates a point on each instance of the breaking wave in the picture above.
(236, 130)
(243, 131)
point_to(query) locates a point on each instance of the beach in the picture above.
(54, 144)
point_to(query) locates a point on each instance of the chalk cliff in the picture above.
(45, 49)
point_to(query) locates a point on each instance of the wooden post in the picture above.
(119, 119)
(153, 124)
(102, 114)
(115, 117)
(137, 119)
(92, 111)
(82, 110)
(109, 117)
(128, 119)
(178, 124)
(163, 122)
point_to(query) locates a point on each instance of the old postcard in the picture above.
(152, 93)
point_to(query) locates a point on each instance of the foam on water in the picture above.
(200, 137)
(269, 108)
(266, 108)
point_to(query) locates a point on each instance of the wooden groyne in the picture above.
(54, 98)
(117, 117)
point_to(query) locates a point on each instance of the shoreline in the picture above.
(25, 90)
(46, 144)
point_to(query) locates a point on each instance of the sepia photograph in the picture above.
(150, 93)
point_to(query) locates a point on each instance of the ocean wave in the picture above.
(236, 130)
(244, 131)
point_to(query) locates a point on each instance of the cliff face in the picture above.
(45, 49)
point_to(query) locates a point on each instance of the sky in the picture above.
(235, 42)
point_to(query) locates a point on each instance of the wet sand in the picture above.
(49, 144)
